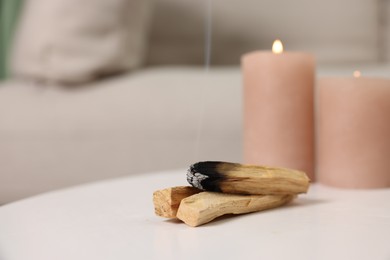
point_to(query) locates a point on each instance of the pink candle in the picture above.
(278, 109)
(353, 139)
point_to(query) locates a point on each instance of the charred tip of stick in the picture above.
(203, 175)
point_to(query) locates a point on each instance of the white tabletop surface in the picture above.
(115, 220)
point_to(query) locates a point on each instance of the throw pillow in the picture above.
(72, 42)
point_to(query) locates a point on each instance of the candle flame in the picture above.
(357, 74)
(277, 47)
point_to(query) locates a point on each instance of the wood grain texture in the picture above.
(203, 207)
(257, 180)
(166, 201)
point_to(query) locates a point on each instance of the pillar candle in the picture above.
(278, 109)
(353, 138)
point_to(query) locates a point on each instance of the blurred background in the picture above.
(97, 89)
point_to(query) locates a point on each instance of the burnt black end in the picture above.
(205, 176)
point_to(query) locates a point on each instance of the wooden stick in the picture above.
(203, 207)
(235, 178)
(166, 201)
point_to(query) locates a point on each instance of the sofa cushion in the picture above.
(51, 137)
(71, 41)
(336, 31)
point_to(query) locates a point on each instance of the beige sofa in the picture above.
(174, 110)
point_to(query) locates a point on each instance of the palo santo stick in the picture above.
(166, 201)
(203, 207)
(235, 178)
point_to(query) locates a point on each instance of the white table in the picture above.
(115, 219)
